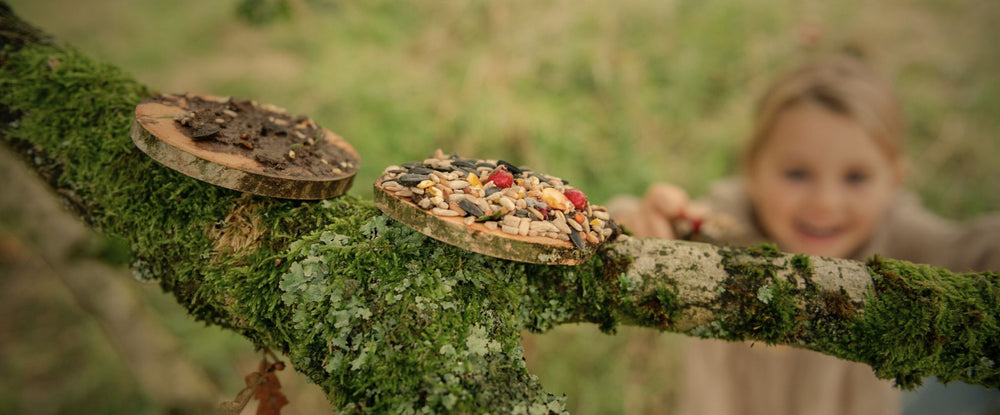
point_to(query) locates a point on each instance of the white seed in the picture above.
(572, 223)
(534, 212)
(424, 203)
(469, 220)
(458, 184)
(482, 204)
(291, 154)
(560, 222)
(521, 204)
(444, 212)
(389, 169)
(524, 227)
(220, 121)
(509, 229)
(601, 215)
(456, 197)
(491, 225)
(507, 203)
(404, 193)
(510, 220)
(392, 186)
(436, 200)
(230, 113)
(607, 233)
(417, 190)
(543, 226)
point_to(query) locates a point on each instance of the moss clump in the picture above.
(756, 303)
(767, 250)
(802, 265)
(658, 309)
(920, 321)
(394, 321)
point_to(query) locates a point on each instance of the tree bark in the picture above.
(385, 319)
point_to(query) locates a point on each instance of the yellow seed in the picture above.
(425, 184)
(474, 180)
(556, 199)
(595, 222)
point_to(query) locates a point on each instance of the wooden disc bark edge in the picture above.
(478, 238)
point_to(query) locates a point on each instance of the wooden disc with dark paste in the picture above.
(244, 146)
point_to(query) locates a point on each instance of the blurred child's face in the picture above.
(820, 184)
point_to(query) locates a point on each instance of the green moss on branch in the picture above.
(921, 321)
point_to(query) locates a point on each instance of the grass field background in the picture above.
(612, 96)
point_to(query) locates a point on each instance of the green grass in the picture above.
(611, 97)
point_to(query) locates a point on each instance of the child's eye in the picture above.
(856, 177)
(796, 174)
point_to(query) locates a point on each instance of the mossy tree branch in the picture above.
(385, 319)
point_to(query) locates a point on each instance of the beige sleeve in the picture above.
(917, 235)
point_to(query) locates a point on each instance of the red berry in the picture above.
(577, 197)
(501, 178)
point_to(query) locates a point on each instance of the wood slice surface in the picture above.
(478, 238)
(157, 133)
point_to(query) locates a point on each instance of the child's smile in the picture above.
(820, 184)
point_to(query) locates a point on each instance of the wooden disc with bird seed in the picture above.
(241, 145)
(495, 208)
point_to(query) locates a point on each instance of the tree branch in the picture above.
(385, 319)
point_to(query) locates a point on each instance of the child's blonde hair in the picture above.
(842, 84)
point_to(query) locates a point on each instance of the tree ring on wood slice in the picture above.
(512, 213)
(241, 145)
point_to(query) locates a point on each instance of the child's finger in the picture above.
(667, 200)
(695, 210)
(626, 210)
(655, 224)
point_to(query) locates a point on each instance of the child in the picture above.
(821, 175)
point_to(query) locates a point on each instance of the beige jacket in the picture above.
(745, 378)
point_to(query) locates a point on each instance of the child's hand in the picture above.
(654, 215)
